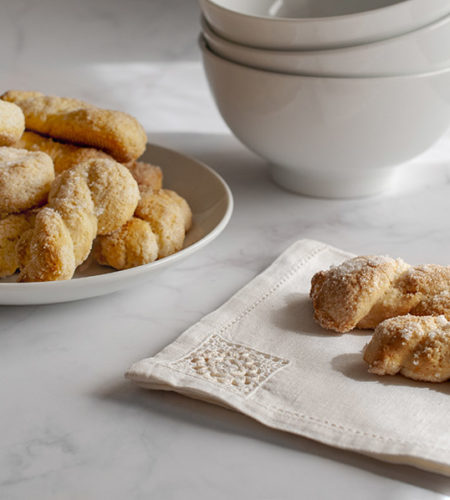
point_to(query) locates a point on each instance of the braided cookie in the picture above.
(183, 206)
(158, 230)
(134, 244)
(416, 347)
(64, 156)
(72, 120)
(169, 216)
(147, 176)
(25, 179)
(12, 123)
(11, 229)
(46, 252)
(95, 197)
(363, 291)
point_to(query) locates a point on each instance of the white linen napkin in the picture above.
(262, 354)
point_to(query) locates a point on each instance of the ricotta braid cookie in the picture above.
(64, 156)
(169, 216)
(11, 229)
(12, 123)
(94, 198)
(363, 291)
(25, 179)
(75, 121)
(45, 252)
(416, 347)
(134, 244)
(147, 176)
(158, 229)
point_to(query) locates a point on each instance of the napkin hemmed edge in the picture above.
(160, 377)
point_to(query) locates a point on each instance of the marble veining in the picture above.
(71, 427)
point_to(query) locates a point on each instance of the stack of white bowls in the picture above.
(333, 93)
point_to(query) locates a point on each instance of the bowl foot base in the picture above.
(351, 183)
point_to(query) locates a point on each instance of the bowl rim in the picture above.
(301, 20)
(206, 50)
(206, 27)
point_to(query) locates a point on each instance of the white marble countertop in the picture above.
(71, 427)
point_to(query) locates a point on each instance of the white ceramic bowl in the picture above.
(330, 137)
(423, 50)
(301, 24)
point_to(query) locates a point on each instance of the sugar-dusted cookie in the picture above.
(78, 122)
(147, 176)
(64, 156)
(134, 244)
(95, 197)
(11, 229)
(12, 123)
(45, 252)
(418, 347)
(363, 291)
(169, 216)
(25, 179)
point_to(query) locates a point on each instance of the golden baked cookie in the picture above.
(71, 197)
(12, 123)
(363, 291)
(25, 179)
(76, 121)
(11, 229)
(417, 347)
(45, 252)
(184, 207)
(101, 190)
(134, 244)
(94, 197)
(168, 219)
(64, 156)
(147, 176)
(114, 192)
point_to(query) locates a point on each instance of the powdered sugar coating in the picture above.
(64, 156)
(11, 229)
(345, 295)
(363, 291)
(133, 244)
(416, 347)
(12, 123)
(78, 122)
(25, 179)
(95, 197)
(169, 216)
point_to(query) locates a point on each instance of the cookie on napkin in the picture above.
(262, 354)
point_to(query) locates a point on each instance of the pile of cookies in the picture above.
(70, 183)
(408, 306)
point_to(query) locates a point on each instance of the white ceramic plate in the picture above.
(211, 202)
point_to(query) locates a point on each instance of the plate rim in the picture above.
(114, 275)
